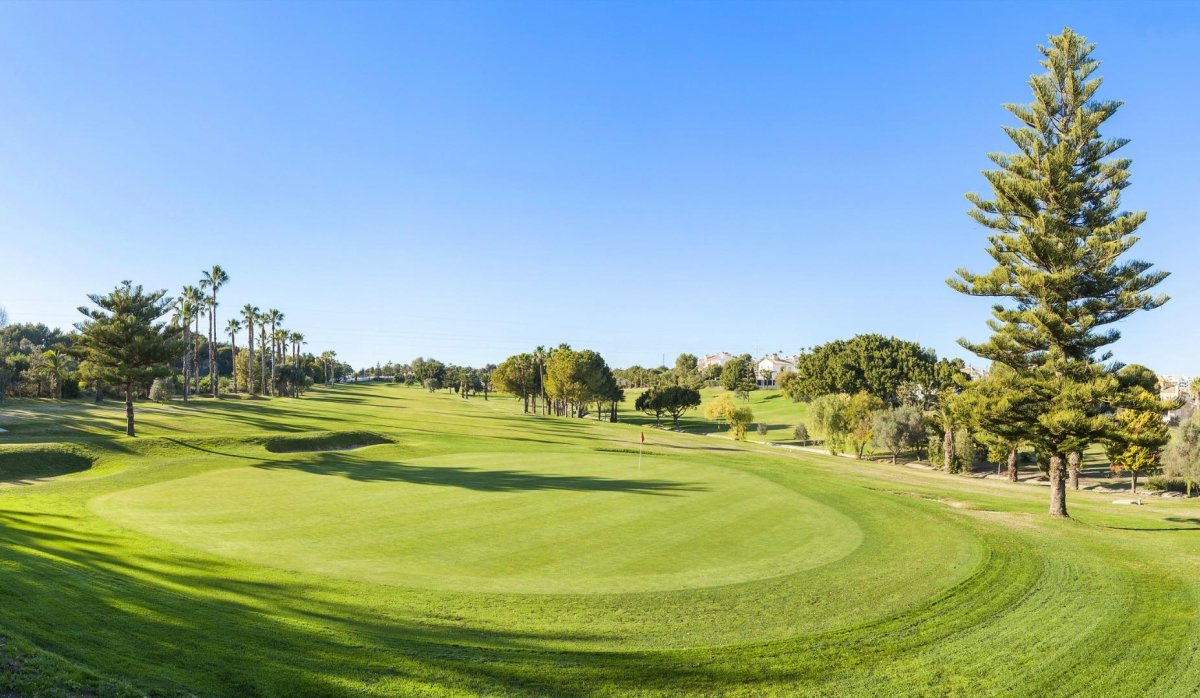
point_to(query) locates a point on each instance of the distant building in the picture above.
(1175, 387)
(975, 373)
(713, 360)
(769, 367)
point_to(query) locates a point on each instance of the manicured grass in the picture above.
(474, 550)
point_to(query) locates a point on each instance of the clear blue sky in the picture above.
(467, 180)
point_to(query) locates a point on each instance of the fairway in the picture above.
(384, 540)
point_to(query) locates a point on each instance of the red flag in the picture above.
(643, 437)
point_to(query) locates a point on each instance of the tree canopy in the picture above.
(885, 367)
(125, 343)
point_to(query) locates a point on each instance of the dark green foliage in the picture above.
(885, 367)
(1057, 234)
(125, 343)
(672, 400)
(737, 375)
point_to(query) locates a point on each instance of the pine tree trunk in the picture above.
(98, 388)
(1012, 465)
(948, 450)
(129, 409)
(1058, 487)
(1133, 482)
(1073, 460)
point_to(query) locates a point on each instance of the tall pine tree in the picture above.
(1058, 238)
(124, 341)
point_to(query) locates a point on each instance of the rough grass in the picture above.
(496, 553)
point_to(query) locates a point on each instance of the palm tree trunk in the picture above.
(186, 352)
(196, 356)
(214, 372)
(233, 355)
(250, 358)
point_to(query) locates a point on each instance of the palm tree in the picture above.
(233, 327)
(214, 279)
(191, 302)
(325, 359)
(539, 355)
(262, 351)
(281, 342)
(56, 362)
(297, 339)
(183, 317)
(249, 314)
(275, 318)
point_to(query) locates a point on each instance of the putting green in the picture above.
(555, 522)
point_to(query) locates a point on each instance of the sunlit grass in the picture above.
(472, 549)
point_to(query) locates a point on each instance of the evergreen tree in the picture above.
(1058, 236)
(125, 344)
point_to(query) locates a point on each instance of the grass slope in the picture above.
(480, 551)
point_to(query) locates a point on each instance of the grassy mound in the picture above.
(324, 441)
(26, 462)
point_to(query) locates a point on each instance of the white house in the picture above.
(713, 360)
(769, 367)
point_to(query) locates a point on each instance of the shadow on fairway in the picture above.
(475, 478)
(1172, 519)
(242, 637)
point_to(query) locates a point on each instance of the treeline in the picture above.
(561, 381)
(434, 375)
(140, 344)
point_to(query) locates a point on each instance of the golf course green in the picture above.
(383, 540)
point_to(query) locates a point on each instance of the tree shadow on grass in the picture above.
(1194, 521)
(176, 624)
(483, 480)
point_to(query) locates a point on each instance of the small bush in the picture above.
(762, 429)
(1162, 483)
(800, 432)
(162, 390)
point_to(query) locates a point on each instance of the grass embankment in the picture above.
(478, 550)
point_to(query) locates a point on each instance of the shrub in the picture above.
(800, 432)
(162, 390)
(1162, 483)
(762, 429)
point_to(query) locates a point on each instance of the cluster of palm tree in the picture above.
(269, 345)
